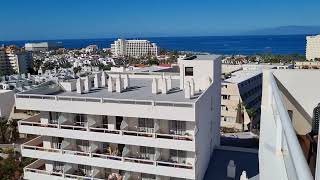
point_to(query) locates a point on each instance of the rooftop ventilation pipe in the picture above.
(164, 88)
(110, 84)
(154, 86)
(79, 86)
(87, 84)
(187, 91)
(119, 85)
(126, 81)
(104, 79)
(97, 80)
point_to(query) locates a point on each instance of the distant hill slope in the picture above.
(286, 30)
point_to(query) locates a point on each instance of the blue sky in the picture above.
(67, 19)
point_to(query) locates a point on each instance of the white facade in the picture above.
(137, 126)
(313, 47)
(242, 87)
(6, 103)
(134, 48)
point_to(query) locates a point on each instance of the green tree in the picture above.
(4, 130)
(240, 114)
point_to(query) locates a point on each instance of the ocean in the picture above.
(245, 45)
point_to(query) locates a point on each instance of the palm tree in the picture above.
(240, 114)
(3, 129)
(251, 113)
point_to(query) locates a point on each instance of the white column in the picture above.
(154, 86)
(79, 86)
(192, 86)
(187, 91)
(110, 84)
(119, 85)
(164, 89)
(87, 84)
(97, 80)
(103, 79)
(169, 81)
(126, 81)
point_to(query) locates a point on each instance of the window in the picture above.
(177, 127)
(83, 145)
(188, 71)
(147, 152)
(105, 122)
(178, 156)
(58, 166)
(80, 119)
(148, 176)
(86, 170)
(53, 117)
(146, 125)
(56, 142)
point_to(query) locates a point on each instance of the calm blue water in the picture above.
(246, 45)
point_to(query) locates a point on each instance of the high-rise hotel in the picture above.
(313, 47)
(134, 48)
(125, 126)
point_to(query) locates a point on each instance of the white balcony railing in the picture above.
(105, 156)
(105, 100)
(280, 152)
(31, 168)
(31, 122)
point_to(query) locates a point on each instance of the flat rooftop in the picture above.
(242, 75)
(140, 89)
(244, 161)
(206, 57)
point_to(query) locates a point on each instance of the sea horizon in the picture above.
(228, 44)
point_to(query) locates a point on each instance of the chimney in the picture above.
(110, 84)
(104, 79)
(97, 80)
(192, 86)
(181, 76)
(164, 88)
(119, 85)
(126, 81)
(169, 83)
(154, 86)
(87, 84)
(79, 86)
(187, 91)
(29, 76)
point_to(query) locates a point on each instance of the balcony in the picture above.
(34, 126)
(122, 159)
(37, 170)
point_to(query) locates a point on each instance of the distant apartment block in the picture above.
(307, 65)
(42, 46)
(241, 92)
(134, 48)
(160, 126)
(313, 47)
(289, 128)
(14, 60)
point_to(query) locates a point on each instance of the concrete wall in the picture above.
(6, 103)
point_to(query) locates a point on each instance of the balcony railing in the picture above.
(105, 156)
(36, 169)
(104, 100)
(285, 141)
(31, 122)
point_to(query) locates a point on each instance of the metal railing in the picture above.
(105, 100)
(108, 131)
(286, 139)
(108, 157)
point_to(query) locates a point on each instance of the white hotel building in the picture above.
(137, 126)
(134, 48)
(313, 47)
